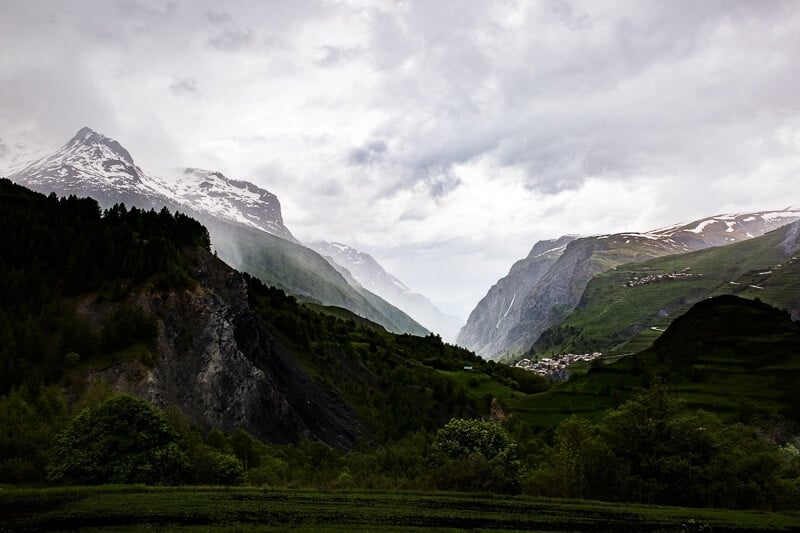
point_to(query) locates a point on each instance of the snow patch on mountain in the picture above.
(239, 201)
(508, 309)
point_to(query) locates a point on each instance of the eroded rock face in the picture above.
(222, 366)
(489, 324)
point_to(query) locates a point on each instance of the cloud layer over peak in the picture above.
(442, 137)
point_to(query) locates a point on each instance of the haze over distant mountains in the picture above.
(245, 221)
(372, 276)
(542, 289)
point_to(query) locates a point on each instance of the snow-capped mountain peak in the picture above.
(91, 164)
(236, 200)
(716, 230)
(100, 145)
(88, 161)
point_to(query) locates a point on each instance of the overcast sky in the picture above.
(444, 138)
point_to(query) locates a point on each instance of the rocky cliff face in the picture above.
(223, 366)
(498, 311)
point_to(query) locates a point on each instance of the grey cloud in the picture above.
(607, 63)
(53, 112)
(443, 184)
(413, 214)
(333, 56)
(439, 180)
(329, 188)
(371, 152)
(181, 86)
(228, 35)
(219, 18)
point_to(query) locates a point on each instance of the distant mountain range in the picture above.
(244, 220)
(544, 288)
(367, 272)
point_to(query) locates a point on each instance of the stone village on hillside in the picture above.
(557, 367)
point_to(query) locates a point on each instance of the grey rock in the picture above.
(223, 367)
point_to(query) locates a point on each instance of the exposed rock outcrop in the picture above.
(223, 366)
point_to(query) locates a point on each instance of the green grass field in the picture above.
(139, 508)
(479, 384)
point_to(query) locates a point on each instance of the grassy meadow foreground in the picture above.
(133, 508)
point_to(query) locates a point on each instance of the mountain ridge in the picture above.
(550, 295)
(371, 275)
(626, 308)
(245, 221)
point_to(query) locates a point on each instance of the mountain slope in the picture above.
(304, 273)
(137, 300)
(733, 356)
(369, 274)
(211, 193)
(553, 294)
(496, 313)
(18, 151)
(638, 301)
(245, 221)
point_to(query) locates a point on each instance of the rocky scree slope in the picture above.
(224, 367)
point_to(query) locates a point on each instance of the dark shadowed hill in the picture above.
(737, 357)
(135, 299)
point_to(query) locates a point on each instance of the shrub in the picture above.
(122, 441)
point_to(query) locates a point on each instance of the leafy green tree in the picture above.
(582, 465)
(474, 454)
(210, 466)
(208, 459)
(124, 440)
(651, 450)
(29, 427)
